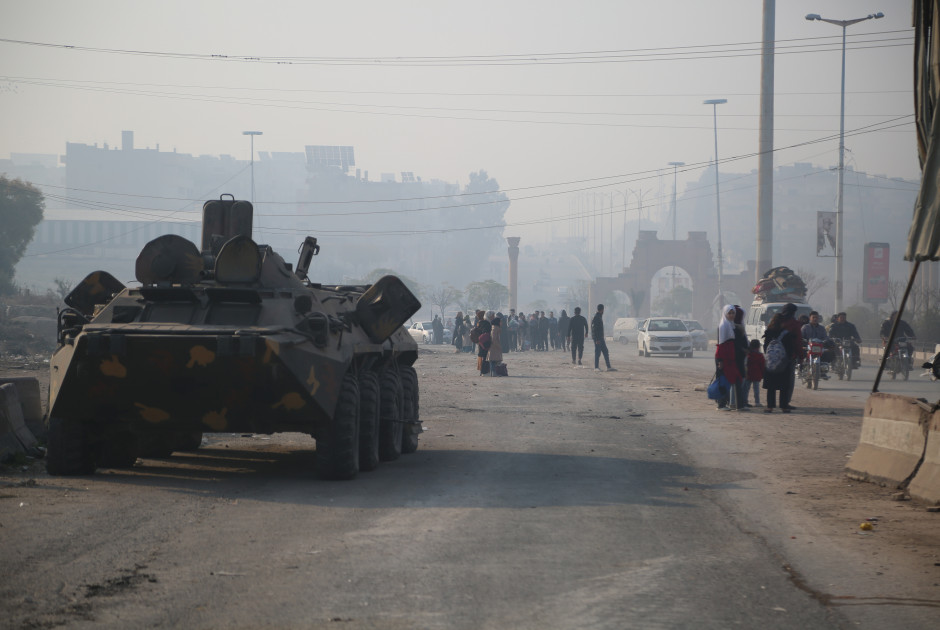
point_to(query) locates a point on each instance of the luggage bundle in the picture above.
(780, 284)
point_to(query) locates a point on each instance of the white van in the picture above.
(759, 314)
(626, 328)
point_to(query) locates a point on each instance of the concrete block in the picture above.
(892, 441)
(11, 416)
(30, 400)
(925, 485)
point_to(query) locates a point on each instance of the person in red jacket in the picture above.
(754, 372)
(725, 357)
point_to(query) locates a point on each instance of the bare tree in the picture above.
(812, 281)
(488, 294)
(443, 296)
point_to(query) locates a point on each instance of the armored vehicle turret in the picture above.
(231, 338)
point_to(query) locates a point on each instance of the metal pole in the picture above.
(841, 179)
(715, 102)
(252, 134)
(843, 23)
(765, 177)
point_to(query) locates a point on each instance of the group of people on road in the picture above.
(490, 334)
(742, 363)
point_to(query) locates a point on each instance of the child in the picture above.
(754, 371)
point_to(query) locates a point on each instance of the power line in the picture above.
(215, 88)
(672, 53)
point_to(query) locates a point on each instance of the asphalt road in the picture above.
(545, 500)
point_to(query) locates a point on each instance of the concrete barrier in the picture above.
(925, 485)
(27, 387)
(893, 438)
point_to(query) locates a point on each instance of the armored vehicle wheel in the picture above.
(69, 451)
(411, 426)
(187, 441)
(158, 445)
(392, 409)
(338, 442)
(368, 421)
(118, 450)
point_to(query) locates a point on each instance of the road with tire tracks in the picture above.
(559, 497)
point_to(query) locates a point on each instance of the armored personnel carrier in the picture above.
(231, 338)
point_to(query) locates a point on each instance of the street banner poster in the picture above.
(825, 234)
(876, 272)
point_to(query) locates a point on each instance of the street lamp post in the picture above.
(715, 102)
(252, 134)
(675, 180)
(625, 199)
(843, 23)
(675, 207)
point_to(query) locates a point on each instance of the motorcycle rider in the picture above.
(843, 329)
(815, 330)
(904, 330)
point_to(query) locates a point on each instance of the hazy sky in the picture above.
(538, 93)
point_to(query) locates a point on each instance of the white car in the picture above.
(423, 332)
(625, 329)
(699, 336)
(664, 335)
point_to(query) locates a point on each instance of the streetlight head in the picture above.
(676, 163)
(715, 101)
(813, 16)
(878, 15)
(252, 133)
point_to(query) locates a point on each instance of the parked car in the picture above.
(625, 329)
(699, 336)
(664, 335)
(423, 332)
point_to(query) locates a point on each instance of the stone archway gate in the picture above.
(694, 254)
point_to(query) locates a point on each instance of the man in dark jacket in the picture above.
(600, 343)
(846, 330)
(577, 333)
(904, 330)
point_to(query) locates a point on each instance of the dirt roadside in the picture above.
(803, 502)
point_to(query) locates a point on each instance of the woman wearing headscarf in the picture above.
(496, 347)
(740, 356)
(726, 355)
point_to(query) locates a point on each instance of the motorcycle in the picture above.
(813, 368)
(899, 361)
(842, 360)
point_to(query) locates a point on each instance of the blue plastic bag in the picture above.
(719, 387)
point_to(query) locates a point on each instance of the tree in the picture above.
(812, 280)
(443, 296)
(488, 294)
(62, 287)
(21, 208)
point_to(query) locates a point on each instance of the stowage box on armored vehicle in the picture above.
(231, 338)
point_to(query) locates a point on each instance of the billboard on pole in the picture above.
(876, 272)
(825, 234)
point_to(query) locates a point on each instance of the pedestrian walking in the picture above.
(577, 333)
(600, 342)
